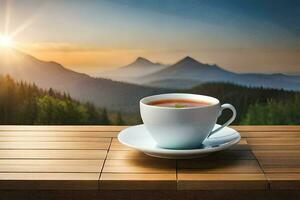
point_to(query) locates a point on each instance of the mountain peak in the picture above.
(188, 58)
(189, 61)
(143, 61)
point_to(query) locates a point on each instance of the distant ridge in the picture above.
(188, 73)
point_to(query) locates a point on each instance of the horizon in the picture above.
(243, 37)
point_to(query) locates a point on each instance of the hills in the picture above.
(188, 73)
(102, 92)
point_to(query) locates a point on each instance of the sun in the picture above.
(5, 41)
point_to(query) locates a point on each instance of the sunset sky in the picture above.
(90, 36)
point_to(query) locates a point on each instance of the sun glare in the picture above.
(5, 41)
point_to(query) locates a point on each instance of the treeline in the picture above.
(255, 105)
(274, 112)
(23, 103)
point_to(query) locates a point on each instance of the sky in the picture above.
(90, 36)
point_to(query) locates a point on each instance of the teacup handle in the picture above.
(223, 107)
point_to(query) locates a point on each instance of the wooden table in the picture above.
(88, 162)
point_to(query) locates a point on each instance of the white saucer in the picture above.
(137, 137)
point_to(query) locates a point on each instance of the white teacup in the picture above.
(182, 128)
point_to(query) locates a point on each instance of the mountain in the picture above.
(188, 73)
(102, 92)
(187, 70)
(140, 67)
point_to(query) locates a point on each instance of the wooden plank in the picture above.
(59, 166)
(77, 128)
(274, 147)
(281, 165)
(274, 143)
(58, 134)
(198, 181)
(281, 168)
(54, 145)
(280, 162)
(140, 166)
(219, 166)
(277, 161)
(54, 139)
(54, 154)
(285, 181)
(277, 154)
(284, 128)
(116, 181)
(228, 154)
(271, 134)
(49, 181)
(278, 157)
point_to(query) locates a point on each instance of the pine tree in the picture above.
(51, 92)
(120, 120)
(104, 118)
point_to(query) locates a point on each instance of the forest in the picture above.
(255, 105)
(25, 104)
